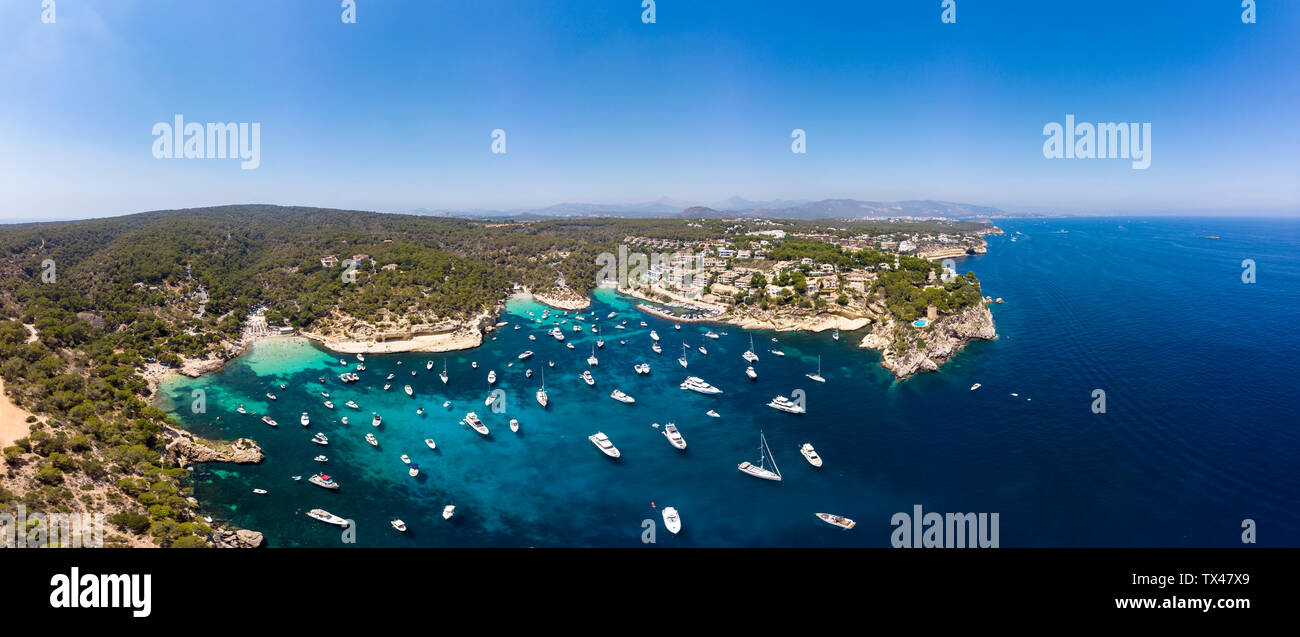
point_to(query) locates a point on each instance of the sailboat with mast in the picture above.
(682, 360)
(542, 398)
(592, 360)
(443, 375)
(818, 376)
(749, 354)
(765, 456)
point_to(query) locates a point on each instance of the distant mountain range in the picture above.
(740, 207)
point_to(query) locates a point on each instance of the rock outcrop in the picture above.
(240, 539)
(925, 349)
(187, 449)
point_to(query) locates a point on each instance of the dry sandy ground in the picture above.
(13, 420)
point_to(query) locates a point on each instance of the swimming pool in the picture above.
(919, 323)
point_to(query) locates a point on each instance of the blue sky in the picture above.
(395, 112)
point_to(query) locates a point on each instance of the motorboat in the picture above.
(399, 525)
(491, 398)
(975, 386)
(672, 521)
(621, 397)
(390, 377)
(352, 404)
(241, 409)
(781, 403)
(321, 458)
(492, 377)
(406, 459)
(603, 443)
(271, 396)
(777, 352)
(448, 511)
(642, 368)
(413, 471)
(697, 384)
(657, 349)
(344, 420)
(526, 355)
(712, 414)
(586, 377)
(409, 391)
(674, 436)
(259, 491)
(370, 438)
(329, 405)
(810, 454)
(267, 420)
(528, 373)
(428, 365)
(749, 371)
(320, 439)
(472, 420)
(327, 517)
(703, 351)
(711, 334)
(377, 420)
(654, 336)
(431, 444)
(305, 419)
(836, 520)
(322, 480)
(514, 425)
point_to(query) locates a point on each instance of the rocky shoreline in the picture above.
(560, 299)
(929, 347)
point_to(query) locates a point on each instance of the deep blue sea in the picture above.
(1200, 431)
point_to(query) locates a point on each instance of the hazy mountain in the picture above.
(854, 209)
(737, 207)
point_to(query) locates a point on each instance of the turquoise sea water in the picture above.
(1199, 432)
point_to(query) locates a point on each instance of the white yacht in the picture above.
(712, 414)
(352, 404)
(241, 409)
(749, 371)
(514, 425)
(492, 377)
(711, 334)
(777, 352)
(329, 405)
(975, 386)
(621, 397)
(781, 403)
(697, 384)
(591, 360)
(674, 437)
(703, 351)
(322, 480)
(672, 521)
(370, 438)
(408, 390)
(406, 459)
(428, 365)
(320, 439)
(526, 355)
(413, 471)
(542, 398)
(837, 520)
(376, 421)
(344, 420)
(387, 385)
(327, 517)
(321, 458)
(431, 444)
(271, 396)
(305, 419)
(682, 360)
(818, 376)
(259, 491)
(642, 323)
(267, 420)
(532, 337)
(491, 398)
(472, 420)
(586, 377)
(749, 354)
(473, 364)
(654, 336)
(642, 368)
(399, 525)
(760, 470)
(390, 377)
(602, 442)
(555, 332)
(361, 357)
(657, 349)
(810, 454)
(448, 511)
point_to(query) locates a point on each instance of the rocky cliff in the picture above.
(187, 449)
(906, 351)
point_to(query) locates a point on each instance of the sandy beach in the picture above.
(13, 419)
(447, 342)
(570, 302)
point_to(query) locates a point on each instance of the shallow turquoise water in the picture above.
(1197, 436)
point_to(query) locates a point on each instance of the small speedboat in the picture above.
(259, 491)
(712, 414)
(305, 419)
(267, 420)
(241, 409)
(672, 521)
(420, 411)
(370, 438)
(271, 396)
(621, 397)
(320, 439)
(642, 368)
(749, 371)
(321, 458)
(975, 386)
(702, 350)
(492, 377)
(408, 390)
(399, 525)
(430, 443)
(514, 425)
(377, 420)
(448, 511)
(413, 471)
(528, 373)
(586, 377)
(836, 520)
(406, 459)
(325, 394)
(352, 404)
(387, 385)
(429, 364)
(474, 364)
(777, 352)
(344, 420)
(329, 405)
